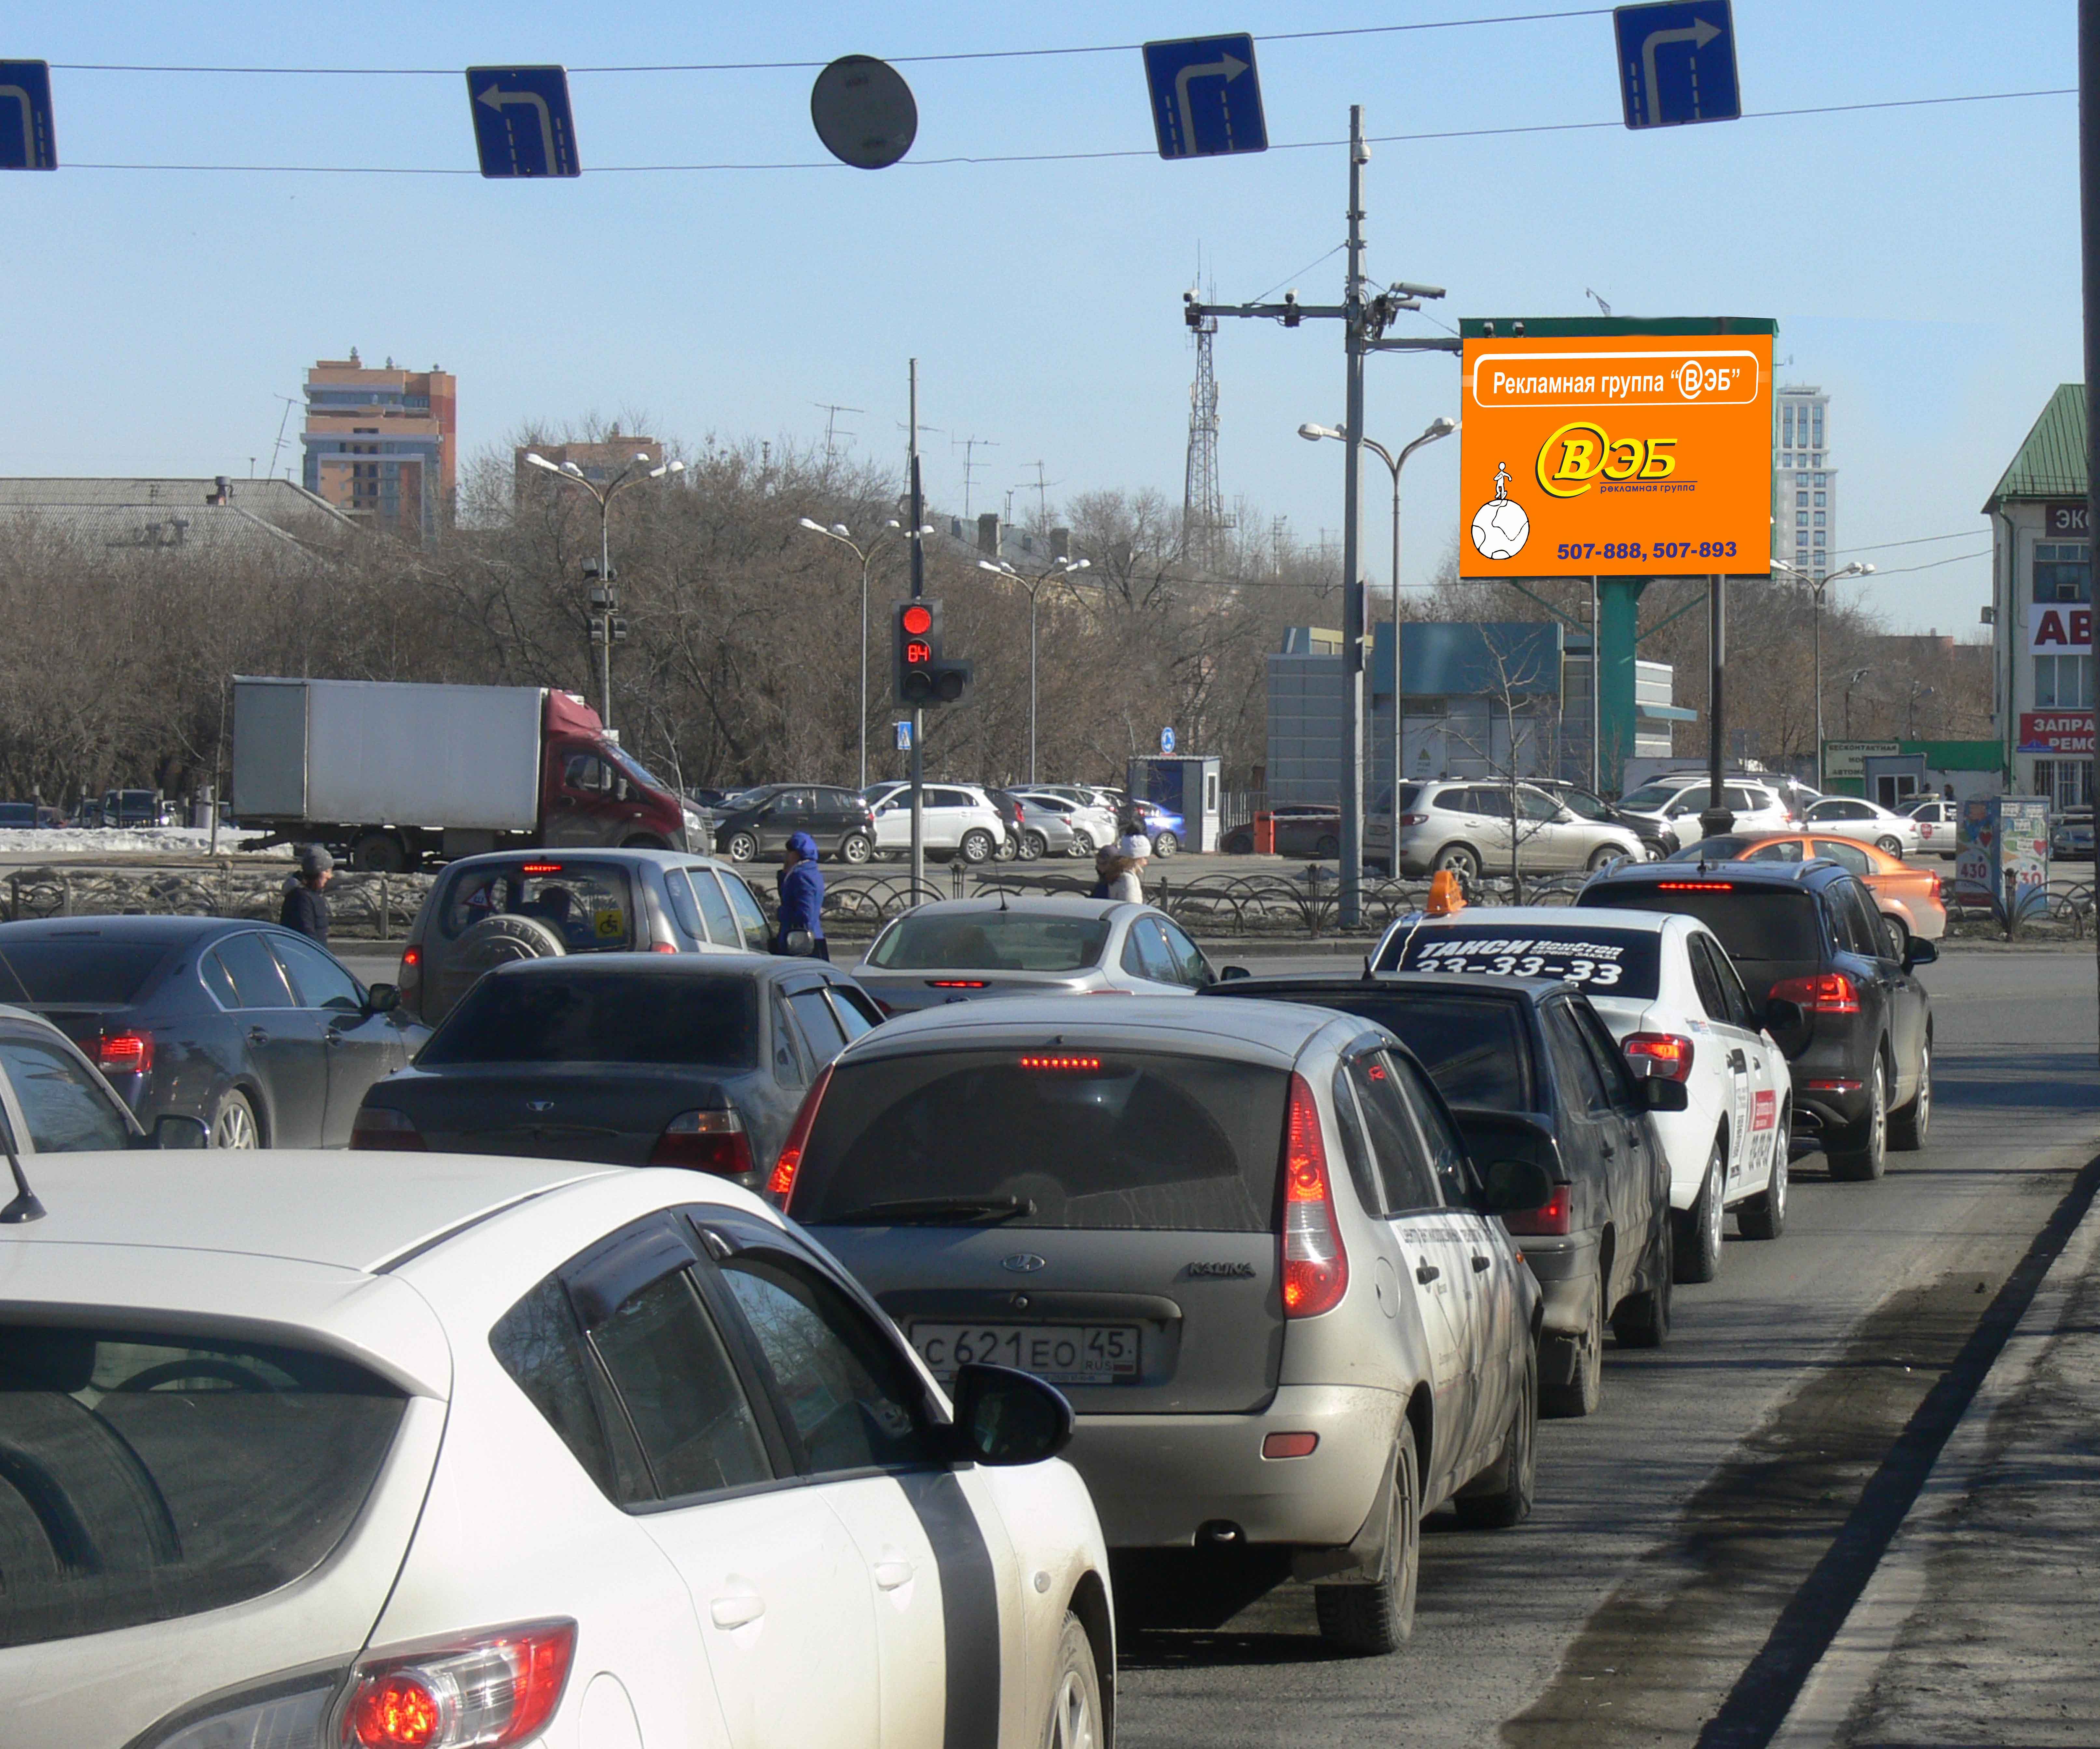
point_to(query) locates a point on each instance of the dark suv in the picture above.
(760, 821)
(1835, 991)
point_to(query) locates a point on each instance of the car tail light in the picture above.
(540, 869)
(1414, 820)
(1820, 993)
(663, 947)
(1289, 1445)
(1061, 1060)
(382, 1126)
(1666, 1053)
(1316, 1268)
(482, 1694)
(1842, 1084)
(125, 1053)
(410, 977)
(781, 1184)
(1551, 1220)
(957, 984)
(1695, 886)
(705, 1142)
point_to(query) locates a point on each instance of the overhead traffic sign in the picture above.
(1205, 97)
(863, 112)
(522, 125)
(1677, 62)
(1616, 448)
(27, 140)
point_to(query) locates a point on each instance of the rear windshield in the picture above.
(1650, 797)
(1756, 924)
(1723, 850)
(145, 1476)
(78, 969)
(590, 905)
(1605, 961)
(1475, 1048)
(640, 1016)
(1048, 1138)
(991, 941)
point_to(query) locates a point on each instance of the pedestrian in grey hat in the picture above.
(306, 908)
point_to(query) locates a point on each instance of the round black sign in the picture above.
(863, 112)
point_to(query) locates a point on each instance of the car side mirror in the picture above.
(382, 999)
(620, 788)
(1658, 1092)
(173, 1129)
(1003, 1417)
(1919, 952)
(1231, 974)
(1512, 1187)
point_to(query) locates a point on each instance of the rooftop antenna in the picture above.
(831, 432)
(1042, 491)
(1600, 303)
(284, 420)
(970, 446)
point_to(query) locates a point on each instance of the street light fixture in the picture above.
(1059, 567)
(840, 532)
(1438, 427)
(1859, 674)
(569, 474)
(1794, 573)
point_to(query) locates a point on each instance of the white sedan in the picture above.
(1665, 987)
(1865, 823)
(451, 1450)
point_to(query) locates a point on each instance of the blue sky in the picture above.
(1922, 262)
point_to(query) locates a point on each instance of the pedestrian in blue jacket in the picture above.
(801, 896)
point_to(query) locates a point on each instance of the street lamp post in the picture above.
(1438, 427)
(1795, 574)
(1859, 674)
(840, 532)
(570, 475)
(1059, 567)
(1918, 690)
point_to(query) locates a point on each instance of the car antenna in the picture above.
(25, 1207)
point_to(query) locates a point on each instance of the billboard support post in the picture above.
(1716, 818)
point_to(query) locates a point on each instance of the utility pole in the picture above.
(918, 715)
(1716, 818)
(1364, 316)
(2089, 180)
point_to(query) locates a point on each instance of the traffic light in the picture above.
(920, 674)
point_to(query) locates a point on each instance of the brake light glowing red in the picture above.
(663, 947)
(399, 1708)
(541, 868)
(1550, 1220)
(1695, 886)
(1666, 1053)
(957, 984)
(489, 1692)
(125, 1053)
(1316, 1268)
(1062, 1061)
(780, 1185)
(1820, 993)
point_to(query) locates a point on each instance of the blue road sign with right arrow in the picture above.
(1205, 97)
(27, 142)
(522, 126)
(1677, 62)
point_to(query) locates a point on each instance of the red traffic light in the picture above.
(917, 621)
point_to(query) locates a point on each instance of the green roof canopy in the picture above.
(2051, 463)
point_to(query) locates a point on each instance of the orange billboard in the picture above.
(1626, 448)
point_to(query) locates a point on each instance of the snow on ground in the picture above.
(18, 843)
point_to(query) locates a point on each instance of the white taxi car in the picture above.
(448, 1450)
(1869, 822)
(1667, 989)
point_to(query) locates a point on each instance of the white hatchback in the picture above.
(1672, 806)
(1665, 987)
(450, 1450)
(953, 817)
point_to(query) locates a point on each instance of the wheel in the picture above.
(1571, 1368)
(1167, 844)
(1077, 1720)
(741, 846)
(233, 1124)
(976, 846)
(1032, 846)
(1082, 844)
(1461, 859)
(493, 942)
(1890, 846)
(1009, 847)
(1908, 1127)
(1764, 1216)
(1508, 1485)
(1326, 845)
(1372, 1620)
(1604, 856)
(1642, 1320)
(1900, 929)
(855, 848)
(1698, 1236)
(380, 853)
(1864, 1156)
(1238, 844)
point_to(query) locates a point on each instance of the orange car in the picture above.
(1910, 898)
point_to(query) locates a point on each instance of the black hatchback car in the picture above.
(760, 821)
(1530, 1073)
(261, 1033)
(1836, 991)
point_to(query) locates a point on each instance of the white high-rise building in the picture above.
(1804, 485)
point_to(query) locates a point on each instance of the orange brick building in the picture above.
(382, 445)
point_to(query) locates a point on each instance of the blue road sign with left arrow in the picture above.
(27, 141)
(1205, 97)
(1677, 62)
(522, 126)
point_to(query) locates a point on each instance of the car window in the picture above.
(1473, 1047)
(851, 1399)
(588, 904)
(1396, 1145)
(1741, 1013)
(1844, 854)
(1573, 1063)
(1188, 966)
(163, 1474)
(67, 1110)
(1585, 805)
(791, 1062)
(1605, 1057)
(540, 1344)
(750, 916)
(1145, 953)
(986, 941)
(320, 981)
(593, 1014)
(1757, 924)
(1745, 801)
(1355, 1146)
(1536, 807)
(715, 913)
(1495, 803)
(218, 980)
(820, 1026)
(675, 1381)
(1867, 928)
(257, 978)
(586, 772)
(1447, 1152)
(1713, 998)
(856, 1013)
(1780, 850)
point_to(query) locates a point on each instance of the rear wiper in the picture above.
(937, 1211)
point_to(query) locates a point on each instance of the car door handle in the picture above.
(1606, 1149)
(1480, 1264)
(1737, 1061)
(738, 1609)
(257, 1035)
(1427, 1273)
(892, 1575)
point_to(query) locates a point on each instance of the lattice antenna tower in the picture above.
(1202, 501)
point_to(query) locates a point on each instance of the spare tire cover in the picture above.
(493, 942)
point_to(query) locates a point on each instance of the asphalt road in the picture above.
(1684, 1535)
